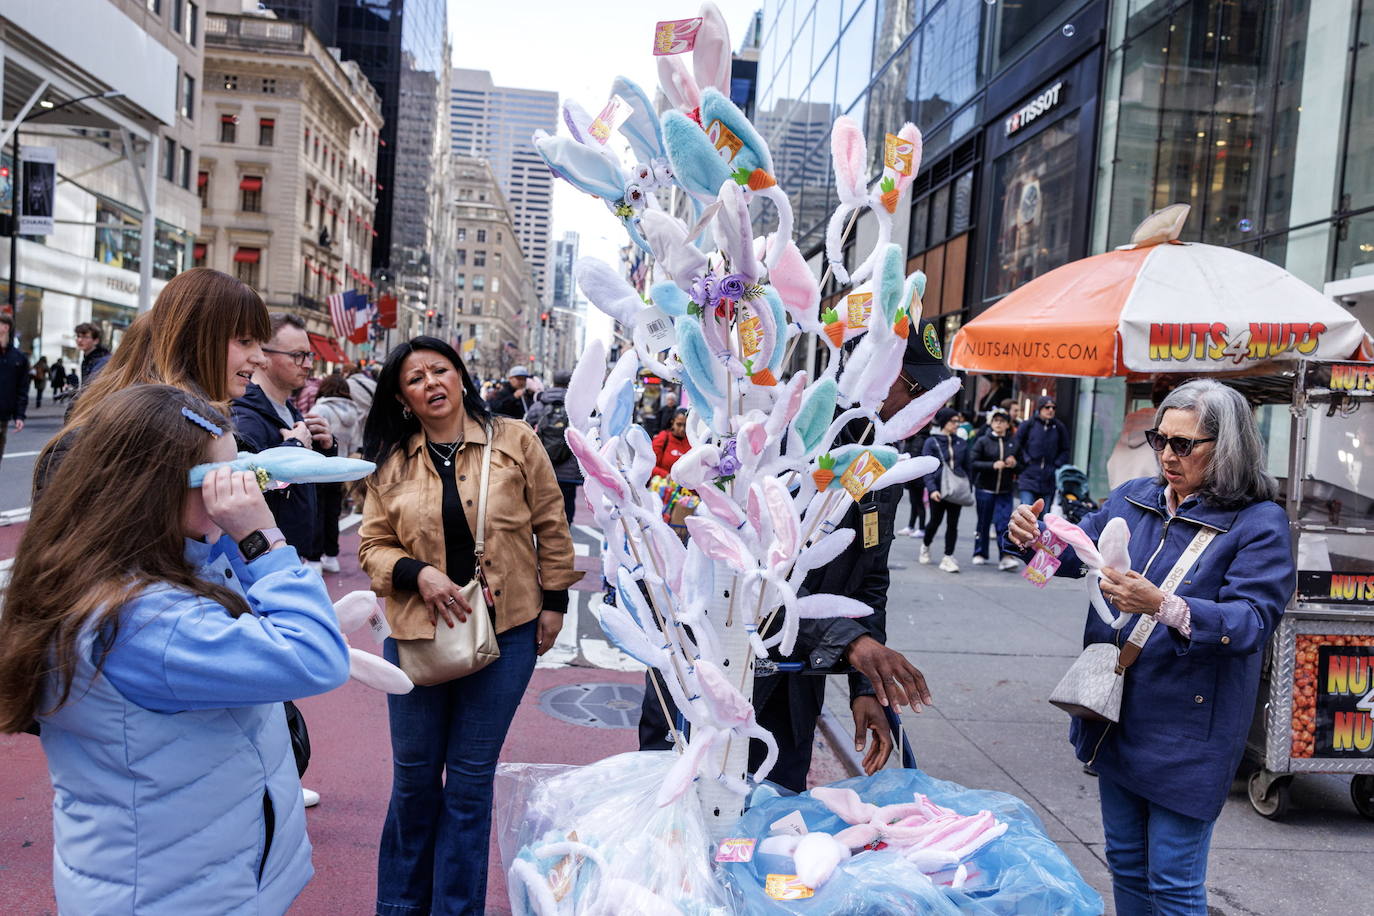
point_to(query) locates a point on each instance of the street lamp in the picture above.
(45, 108)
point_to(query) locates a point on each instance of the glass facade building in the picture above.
(1052, 127)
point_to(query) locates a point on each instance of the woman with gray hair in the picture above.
(1208, 524)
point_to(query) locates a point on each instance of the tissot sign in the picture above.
(1041, 104)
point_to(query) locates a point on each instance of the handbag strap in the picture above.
(1146, 624)
(480, 540)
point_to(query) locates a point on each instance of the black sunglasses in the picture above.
(1182, 445)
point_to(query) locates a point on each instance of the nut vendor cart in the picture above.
(1317, 697)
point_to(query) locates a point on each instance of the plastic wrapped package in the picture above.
(1021, 872)
(592, 840)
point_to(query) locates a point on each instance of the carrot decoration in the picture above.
(764, 377)
(834, 328)
(824, 473)
(890, 194)
(902, 326)
(756, 180)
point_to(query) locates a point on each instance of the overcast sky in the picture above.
(575, 48)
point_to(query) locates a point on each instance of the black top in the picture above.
(459, 542)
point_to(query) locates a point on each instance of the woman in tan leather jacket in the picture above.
(426, 432)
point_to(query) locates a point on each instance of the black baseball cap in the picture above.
(924, 361)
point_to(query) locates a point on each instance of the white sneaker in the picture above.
(948, 565)
(980, 561)
(925, 555)
(908, 530)
(1008, 564)
(310, 797)
(314, 566)
(329, 564)
(917, 532)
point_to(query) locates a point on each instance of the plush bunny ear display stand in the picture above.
(735, 304)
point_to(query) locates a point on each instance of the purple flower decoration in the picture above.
(729, 464)
(733, 287)
(704, 290)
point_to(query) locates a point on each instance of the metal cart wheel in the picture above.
(1270, 793)
(1362, 794)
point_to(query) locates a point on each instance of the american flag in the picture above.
(339, 314)
(349, 312)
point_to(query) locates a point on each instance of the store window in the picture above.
(479, 258)
(267, 131)
(479, 282)
(950, 46)
(169, 159)
(250, 194)
(188, 96)
(481, 235)
(1033, 207)
(172, 248)
(228, 128)
(1019, 25)
(118, 230)
(246, 263)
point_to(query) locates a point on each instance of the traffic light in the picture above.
(544, 319)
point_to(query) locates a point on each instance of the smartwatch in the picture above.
(259, 542)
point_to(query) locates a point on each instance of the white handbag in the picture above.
(1091, 688)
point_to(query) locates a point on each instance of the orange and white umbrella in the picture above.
(1158, 305)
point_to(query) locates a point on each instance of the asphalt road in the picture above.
(21, 449)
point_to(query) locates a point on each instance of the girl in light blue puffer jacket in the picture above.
(153, 631)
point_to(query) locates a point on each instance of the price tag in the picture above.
(658, 328)
(860, 309)
(898, 154)
(676, 36)
(791, 825)
(861, 474)
(1045, 562)
(786, 887)
(870, 518)
(724, 140)
(735, 850)
(615, 113)
(377, 624)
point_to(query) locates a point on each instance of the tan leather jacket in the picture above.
(528, 545)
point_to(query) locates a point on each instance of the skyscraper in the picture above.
(495, 123)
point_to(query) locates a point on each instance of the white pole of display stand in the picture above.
(722, 805)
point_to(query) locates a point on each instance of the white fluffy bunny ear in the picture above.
(666, 236)
(585, 168)
(733, 231)
(607, 290)
(577, 120)
(642, 127)
(711, 57)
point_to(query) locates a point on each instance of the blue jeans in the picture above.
(993, 509)
(1158, 857)
(445, 741)
(1030, 496)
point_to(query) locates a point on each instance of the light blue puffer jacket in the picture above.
(187, 801)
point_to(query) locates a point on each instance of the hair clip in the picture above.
(214, 431)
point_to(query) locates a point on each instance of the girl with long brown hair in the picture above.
(157, 662)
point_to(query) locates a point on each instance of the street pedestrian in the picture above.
(154, 631)
(1165, 771)
(361, 388)
(426, 432)
(663, 418)
(57, 374)
(40, 379)
(345, 419)
(94, 356)
(1042, 442)
(952, 451)
(515, 399)
(914, 446)
(993, 460)
(671, 444)
(549, 417)
(14, 382)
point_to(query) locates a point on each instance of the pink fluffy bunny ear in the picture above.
(850, 154)
(1076, 538)
(711, 57)
(797, 286)
(678, 84)
(911, 134)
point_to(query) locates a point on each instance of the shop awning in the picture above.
(326, 349)
(250, 184)
(248, 255)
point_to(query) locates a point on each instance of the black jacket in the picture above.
(14, 384)
(514, 404)
(92, 363)
(951, 450)
(257, 427)
(986, 451)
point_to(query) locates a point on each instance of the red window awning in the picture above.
(326, 349)
(249, 183)
(199, 251)
(248, 255)
(268, 122)
(202, 179)
(229, 119)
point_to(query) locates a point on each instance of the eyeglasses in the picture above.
(299, 357)
(1182, 445)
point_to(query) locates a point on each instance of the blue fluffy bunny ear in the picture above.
(697, 164)
(670, 298)
(753, 152)
(583, 167)
(891, 282)
(641, 128)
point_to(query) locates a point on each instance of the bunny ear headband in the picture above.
(285, 465)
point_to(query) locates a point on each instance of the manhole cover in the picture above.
(594, 705)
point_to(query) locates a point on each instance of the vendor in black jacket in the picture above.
(265, 417)
(992, 456)
(789, 704)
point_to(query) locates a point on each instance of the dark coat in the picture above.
(257, 427)
(1188, 702)
(565, 471)
(92, 363)
(941, 446)
(1042, 449)
(986, 451)
(512, 404)
(14, 384)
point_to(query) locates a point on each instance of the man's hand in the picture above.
(300, 432)
(896, 681)
(18, 425)
(1011, 461)
(869, 719)
(319, 430)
